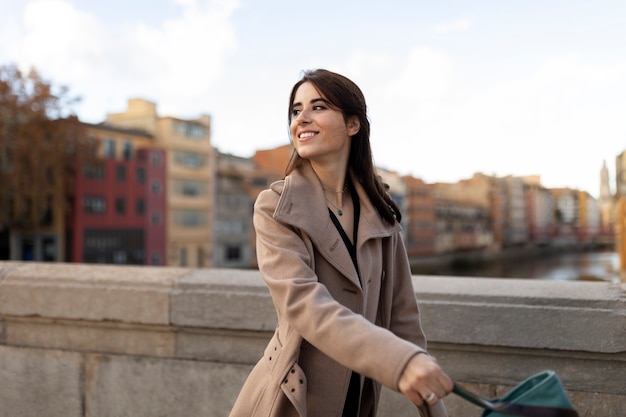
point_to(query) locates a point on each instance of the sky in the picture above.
(453, 87)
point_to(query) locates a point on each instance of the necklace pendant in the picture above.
(340, 212)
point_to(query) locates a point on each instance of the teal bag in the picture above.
(541, 395)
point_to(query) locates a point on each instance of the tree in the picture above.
(41, 146)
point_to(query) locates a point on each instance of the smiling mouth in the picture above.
(305, 135)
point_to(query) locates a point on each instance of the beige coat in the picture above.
(329, 321)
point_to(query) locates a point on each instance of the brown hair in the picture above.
(348, 98)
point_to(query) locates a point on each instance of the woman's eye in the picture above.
(295, 112)
(319, 107)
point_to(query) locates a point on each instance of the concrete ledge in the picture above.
(223, 299)
(147, 341)
(87, 292)
(567, 315)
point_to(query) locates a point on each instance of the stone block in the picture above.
(87, 292)
(222, 346)
(146, 387)
(40, 383)
(103, 337)
(223, 299)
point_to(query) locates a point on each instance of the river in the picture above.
(584, 266)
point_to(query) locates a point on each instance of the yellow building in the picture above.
(190, 179)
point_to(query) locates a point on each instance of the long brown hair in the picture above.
(348, 98)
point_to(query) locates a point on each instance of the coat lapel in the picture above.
(302, 204)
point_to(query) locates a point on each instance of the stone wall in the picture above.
(104, 341)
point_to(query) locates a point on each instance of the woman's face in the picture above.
(318, 130)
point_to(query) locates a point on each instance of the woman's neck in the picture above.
(332, 177)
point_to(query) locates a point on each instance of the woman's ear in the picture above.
(353, 125)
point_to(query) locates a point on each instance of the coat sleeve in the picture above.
(306, 305)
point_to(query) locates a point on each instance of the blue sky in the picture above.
(454, 87)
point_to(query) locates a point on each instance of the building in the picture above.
(567, 215)
(397, 189)
(466, 213)
(419, 218)
(239, 182)
(190, 179)
(274, 160)
(606, 202)
(620, 175)
(539, 211)
(590, 219)
(119, 212)
(462, 224)
(516, 225)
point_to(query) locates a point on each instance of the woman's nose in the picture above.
(303, 116)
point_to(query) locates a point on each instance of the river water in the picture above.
(584, 266)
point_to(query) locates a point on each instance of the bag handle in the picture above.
(523, 410)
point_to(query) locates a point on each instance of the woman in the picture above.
(330, 249)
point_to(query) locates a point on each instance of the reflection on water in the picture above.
(592, 266)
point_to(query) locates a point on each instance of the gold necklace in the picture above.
(345, 187)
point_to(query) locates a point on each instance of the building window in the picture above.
(190, 159)
(120, 172)
(127, 150)
(120, 246)
(156, 186)
(182, 257)
(200, 256)
(190, 218)
(140, 175)
(155, 158)
(233, 253)
(94, 171)
(190, 129)
(155, 259)
(259, 182)
(119, 257)
(191, 188)
(92, 204)
(140, 206)
(155, 218)
(120, 205)
(109, 148)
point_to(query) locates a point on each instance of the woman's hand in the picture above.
(423, 380)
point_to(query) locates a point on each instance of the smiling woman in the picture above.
(330, 249)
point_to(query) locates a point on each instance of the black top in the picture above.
(351, 406)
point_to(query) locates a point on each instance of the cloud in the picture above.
(458, 25)
(172, 63)
(427, 75)
(560, 119)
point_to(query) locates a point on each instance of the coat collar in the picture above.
(302, 205)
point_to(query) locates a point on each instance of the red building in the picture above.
(119, 213)
(420, 218)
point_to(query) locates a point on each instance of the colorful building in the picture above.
(190, 179)
(119, 213)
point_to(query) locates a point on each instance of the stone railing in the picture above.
(95, 341)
